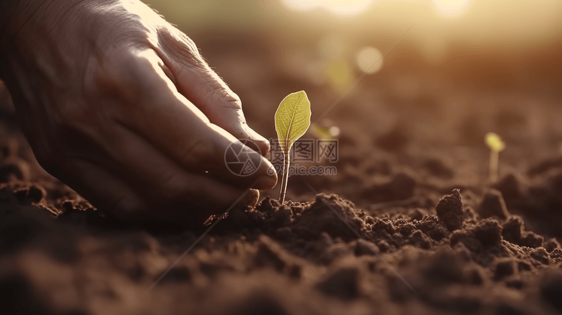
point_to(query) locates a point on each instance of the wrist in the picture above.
(30, 26)
(17, 15)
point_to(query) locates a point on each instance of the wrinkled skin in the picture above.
(120, 106)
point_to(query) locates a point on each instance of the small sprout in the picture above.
(292, 120)
(496, 145)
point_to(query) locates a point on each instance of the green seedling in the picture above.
(496, 145)
(292, 120)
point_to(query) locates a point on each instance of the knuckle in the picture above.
(221, 94)
(120, 78)
(180, 45)
(231, 99)
(138, 83)
(188, 43)
(266, 147)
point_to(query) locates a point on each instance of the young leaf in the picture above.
(496, 145)
(494, 142)
(292, 119)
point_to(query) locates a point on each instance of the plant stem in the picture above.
(285, 178)
(494, 156)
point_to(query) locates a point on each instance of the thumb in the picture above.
(196, 81)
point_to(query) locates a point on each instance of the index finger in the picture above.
(179, 129)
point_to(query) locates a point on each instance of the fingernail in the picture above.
(251, 198)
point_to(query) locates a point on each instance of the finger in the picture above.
(173, 192)
(110, 193)
(205, 89)
(178, 128)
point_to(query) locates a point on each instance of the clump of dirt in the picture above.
(409, 225)
(493, 205)
(324, 256)
(450, 211)
(331, 250)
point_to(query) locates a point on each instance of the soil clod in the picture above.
(450, 210)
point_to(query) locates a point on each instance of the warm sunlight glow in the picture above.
(334, 131)
(331, 47)
(451, 8)
(368, 60)
(337, 7)
(302, 5)
(339, 74)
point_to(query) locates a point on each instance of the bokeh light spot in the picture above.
(334, 131)
(347, 7)
(451, 8)
(302, 5)
(336, 7)
(367, 60)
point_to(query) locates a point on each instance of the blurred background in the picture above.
(464, 68)
(439, 75)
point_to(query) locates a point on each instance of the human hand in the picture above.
(120, 106)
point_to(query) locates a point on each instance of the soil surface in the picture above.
(410, 225)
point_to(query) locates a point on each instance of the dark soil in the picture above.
(300, 258)
(409, 225)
